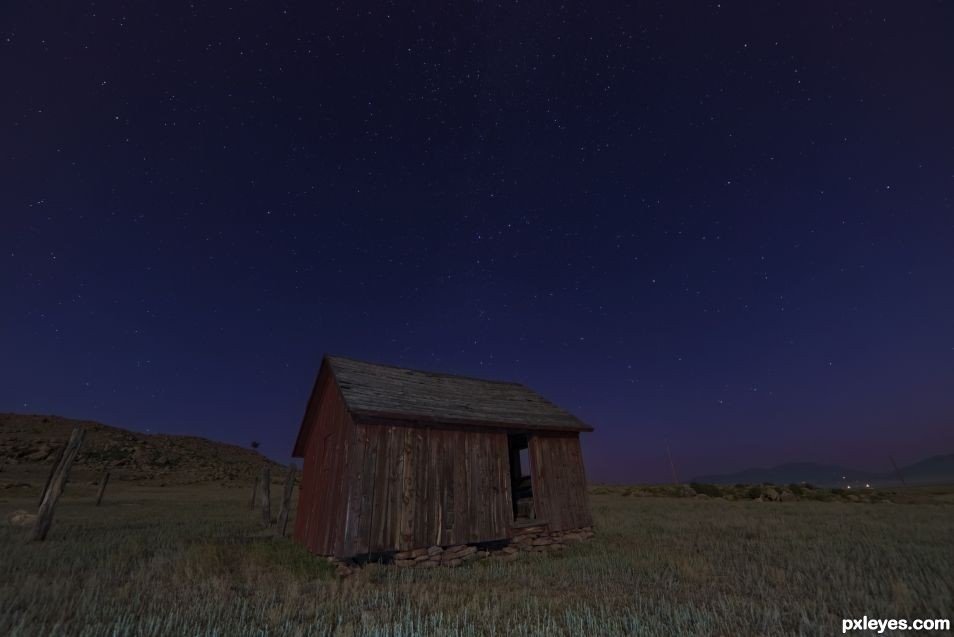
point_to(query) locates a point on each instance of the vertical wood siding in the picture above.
(323, 497)
(559, 483)
(377, 488)
(414, 487)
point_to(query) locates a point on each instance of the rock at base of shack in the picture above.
(540, 541)
(529, 530)
(458, 551)
(453, 550)
(477, 555)
(410, 555)
(342, 568)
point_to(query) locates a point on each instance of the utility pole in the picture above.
(897, 471)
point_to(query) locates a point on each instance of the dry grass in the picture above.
(191, 561)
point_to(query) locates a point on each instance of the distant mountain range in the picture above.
(933, 470)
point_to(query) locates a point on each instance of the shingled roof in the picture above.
(382, 392)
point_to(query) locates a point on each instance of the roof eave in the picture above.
(298, 451)
(386, 418)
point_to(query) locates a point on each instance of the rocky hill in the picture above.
(30, 444)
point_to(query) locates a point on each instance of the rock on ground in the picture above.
(21, 518)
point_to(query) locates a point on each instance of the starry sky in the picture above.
(727, 227)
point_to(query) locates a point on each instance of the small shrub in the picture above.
(796, 490)
(819, 495)
(105, 455)
(710, 490)
(754, 492)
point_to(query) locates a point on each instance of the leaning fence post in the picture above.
(266, 484)
(251, 501)
(44, 517)
(49, 476)
(102, 487)
(286, 500)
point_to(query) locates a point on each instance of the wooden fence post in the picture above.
(286, 500)
(44, 517)
(102, 487)
(266, 483)
(49, 477)
(251, 502)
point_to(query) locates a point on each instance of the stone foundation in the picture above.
(531, 539)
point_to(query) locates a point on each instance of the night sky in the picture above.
(725, 226)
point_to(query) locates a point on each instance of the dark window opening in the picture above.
(521, 487)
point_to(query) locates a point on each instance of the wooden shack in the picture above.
(397, 459)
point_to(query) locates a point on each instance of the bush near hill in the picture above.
(758, 492)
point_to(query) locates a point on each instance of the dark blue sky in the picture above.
(728, 226)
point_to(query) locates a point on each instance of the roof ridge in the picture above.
(382, 390)
(331, 357)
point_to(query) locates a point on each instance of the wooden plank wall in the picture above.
(323, 495)
(376, 488)
(559, 481)
(414, 487)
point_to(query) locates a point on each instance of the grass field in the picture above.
(191, 561)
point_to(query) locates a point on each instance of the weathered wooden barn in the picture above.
(398, 459)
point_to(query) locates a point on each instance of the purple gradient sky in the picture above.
(728, 226)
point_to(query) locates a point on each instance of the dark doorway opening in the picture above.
(521, 486)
